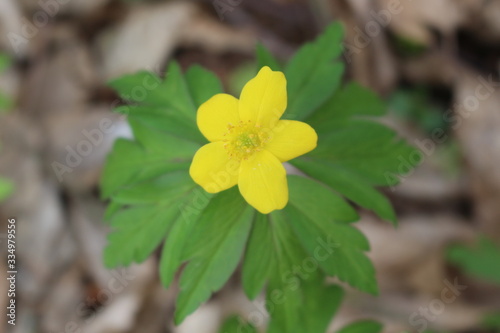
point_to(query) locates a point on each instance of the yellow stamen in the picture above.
(244, 139)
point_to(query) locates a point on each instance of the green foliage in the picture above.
(492, 322)
(151, 209)
(318, 215)
(480, 261)
(239, 77)
(6, 189)
(356, 154)
(321, 303)
(5, 62)
(313, 75)
(288, 253)
(408, 47)
(6, 186)
(415, 105)
(364, 326)
(214, 250)
(265, 58)
(236, 325)
(293, 248)
(5, 101)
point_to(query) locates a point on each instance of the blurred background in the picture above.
(436, 62)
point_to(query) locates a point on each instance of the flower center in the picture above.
(244, 139)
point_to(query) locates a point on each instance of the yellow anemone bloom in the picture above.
(248, 142)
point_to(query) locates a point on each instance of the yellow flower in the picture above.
(248, 142)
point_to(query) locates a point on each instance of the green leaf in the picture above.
(159, 141)
(129, 162)
(364, 326)
(154, 207)
(258, 261)
(265, 58)
(352, 100)
(167, 120)
(312, 75)
(169, 105)
(5, 62)
(112, 208)
(237, 325)
(315, 198)
(356, 154)
(223, 228)
(322, 302)
(492, 321)
(284, 297)
(336, 247)
(5, 101)
(480, 261)
(408, 47)
(153, 154)
(147, 89)
(349, 185)
(370, 150)
(202, 84)
(173, 250)
(239, 78)
(140, 88)
(6, 188)
(296, 287)
(139, 232)
(167, 188)
(416, 106)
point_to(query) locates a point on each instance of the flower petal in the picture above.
(263, 99)
(215, 114)
(212, 169)
(291, 139)
(263, 182)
